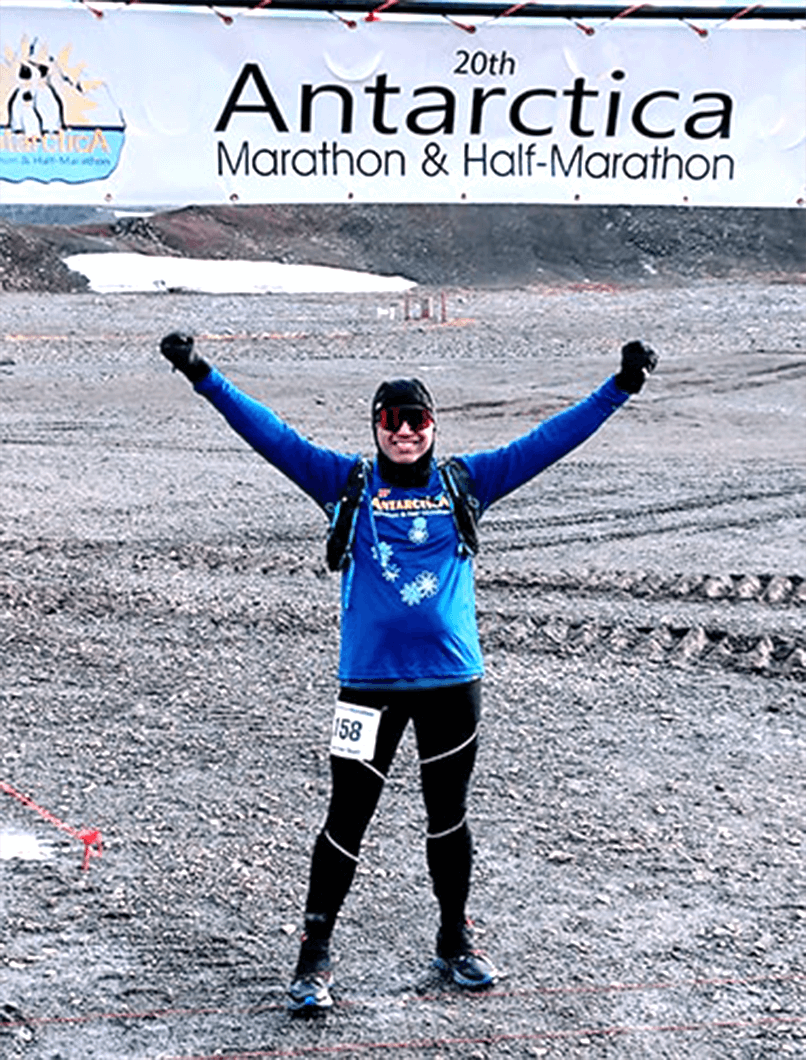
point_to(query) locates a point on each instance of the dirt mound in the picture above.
(470, 246)
(29, 262)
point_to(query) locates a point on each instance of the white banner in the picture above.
(164, 107)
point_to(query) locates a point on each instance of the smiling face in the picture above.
(405, 444)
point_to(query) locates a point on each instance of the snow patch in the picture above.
(21, 847)
(143, 273)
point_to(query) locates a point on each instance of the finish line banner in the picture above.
(131, 106)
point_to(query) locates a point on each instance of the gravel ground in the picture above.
(168, 638)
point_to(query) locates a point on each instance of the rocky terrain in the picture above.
(476, 246)
(168, 636)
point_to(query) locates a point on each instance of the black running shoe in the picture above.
(463, 965)
(310, 993)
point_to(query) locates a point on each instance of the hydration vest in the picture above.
(456, 483)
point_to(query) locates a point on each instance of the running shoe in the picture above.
(310, 992)
(466, 967)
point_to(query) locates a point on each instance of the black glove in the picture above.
(179, 350)
(637, 361)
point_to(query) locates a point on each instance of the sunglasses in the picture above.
(417, 417)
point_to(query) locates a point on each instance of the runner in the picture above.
(403, 534)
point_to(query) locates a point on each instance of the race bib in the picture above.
(355, 732)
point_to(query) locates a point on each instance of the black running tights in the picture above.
(445, 723)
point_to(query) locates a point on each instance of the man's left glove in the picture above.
(179, 350)
(637, 361)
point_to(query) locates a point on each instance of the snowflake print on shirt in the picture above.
(410, 594)
(383, 554)
(427, 583)
(418, 534)
(424, 585)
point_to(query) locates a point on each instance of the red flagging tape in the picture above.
(90, 837)
(373, 15)
(510, 11)
(745, 11)
(460, 25)
(587, 30)
(92, 10)
(226, 19)
(348, 22)
(699, 30)
(627, 11)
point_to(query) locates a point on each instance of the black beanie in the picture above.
(401, 392)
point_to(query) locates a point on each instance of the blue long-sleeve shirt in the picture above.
(408, 616)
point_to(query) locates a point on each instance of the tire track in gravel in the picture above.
(701, 502)
(731, 588)
(767, 651)
(709, 514)
(767, 654)
(754, 380)
(760, 649)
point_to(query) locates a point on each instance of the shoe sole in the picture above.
(310, 1005)
(460, 980)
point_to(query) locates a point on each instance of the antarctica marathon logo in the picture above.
(56, 122)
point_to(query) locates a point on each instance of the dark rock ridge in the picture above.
(435, 245)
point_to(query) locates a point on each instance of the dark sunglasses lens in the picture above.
(393, 417)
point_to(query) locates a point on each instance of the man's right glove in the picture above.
(637, 361)
(178, 348)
